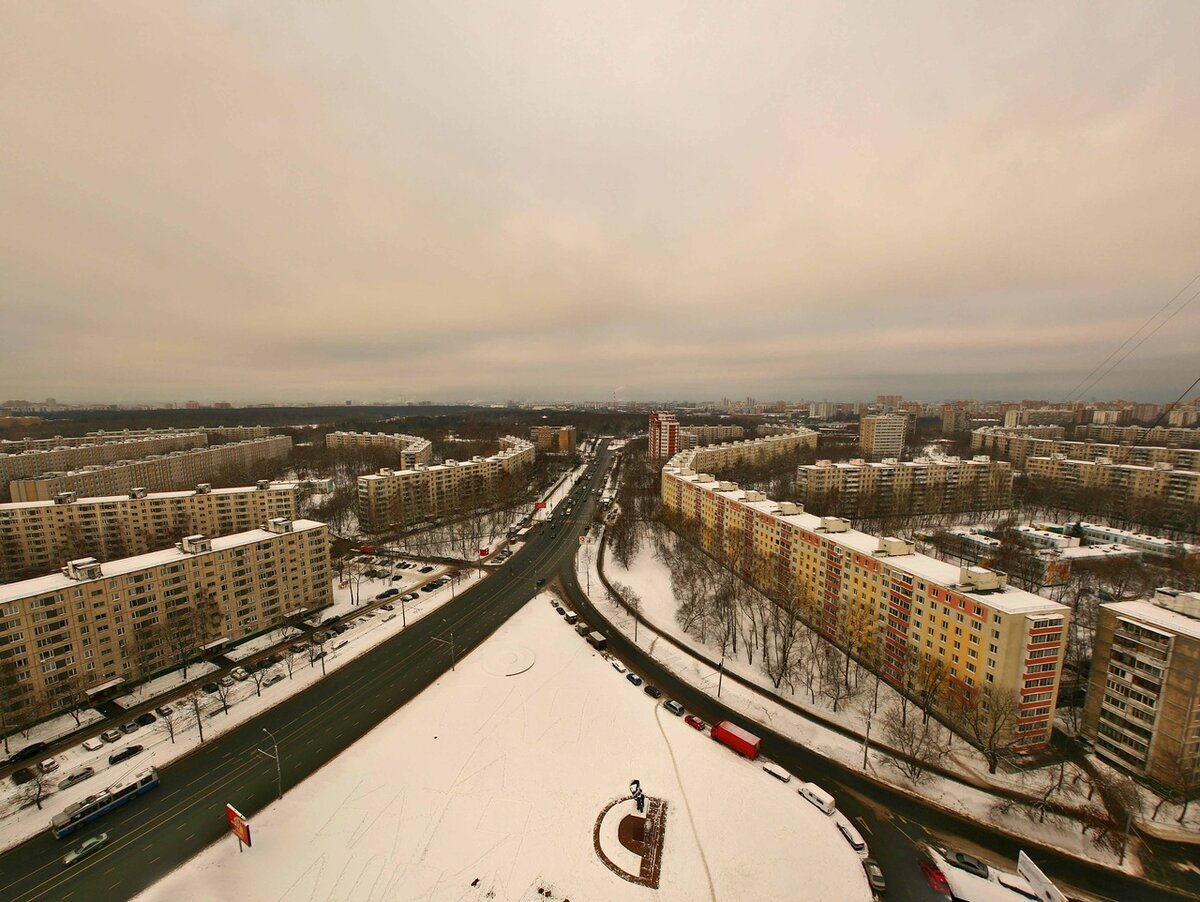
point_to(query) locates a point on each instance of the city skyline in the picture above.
(778, 201)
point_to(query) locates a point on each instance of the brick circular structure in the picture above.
(643, 836)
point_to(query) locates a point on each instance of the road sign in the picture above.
(238, 824)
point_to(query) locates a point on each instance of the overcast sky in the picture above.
(259, 201)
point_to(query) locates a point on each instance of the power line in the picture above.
(1167, 410)
(1071, 394)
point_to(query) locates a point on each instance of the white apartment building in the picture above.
(412, 450)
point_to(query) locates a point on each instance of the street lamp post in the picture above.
(720, 675)
(278, 769)
(450, 643)
(867, 740)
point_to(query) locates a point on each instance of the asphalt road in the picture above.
(156, 833)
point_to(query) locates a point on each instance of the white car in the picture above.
(239, 674)
(48, 766)
(618, 666)
(94, 744)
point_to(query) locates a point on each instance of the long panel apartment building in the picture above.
(1143, 700)
(392, 498)
(39, 536)
(164, 472)
(30, 463)
(1018, 446)
(921, 486)
(411, 450)
(989, 636)
(1176, 491)
(95, 625)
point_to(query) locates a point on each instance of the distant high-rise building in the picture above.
(664, 435)
(882, 436)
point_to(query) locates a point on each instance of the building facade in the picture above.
(31, 463)
(553, 438)
(165, 472)
(921, 486)
(1143, 700)
(882, 436)
(398, 498)
(664, 435)
(1176, 492)
(864, 591)
(411, 450)
(96, 625)
(39, 536)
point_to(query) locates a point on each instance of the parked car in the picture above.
(968, 863)
(111, 735)
(76, 776)
(653, 691)
(634, 678)
(164, 710)
(93, 745)
(272, 679)
(674, 707)
(430, 588)
(618, 666)
(90, 845)
(298, 647)
(130, 726)
(239, 674)
(30, 751)
(24, 775)
(387, 593)
(388, 607)
(560, 610)
(875, 875)
(694, 722)
(146, 719)
(128, 752)
(226, 681)
(426, 570)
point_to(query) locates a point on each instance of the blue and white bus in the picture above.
(75, 816)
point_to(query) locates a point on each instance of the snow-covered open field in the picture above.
(489, 786)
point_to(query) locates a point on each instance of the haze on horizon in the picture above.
(528, 200)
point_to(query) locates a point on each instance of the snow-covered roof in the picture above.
(1156, 615)
(56, 582)
(108, 499)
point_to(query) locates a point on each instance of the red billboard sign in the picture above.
(539, 505)
(238, 824)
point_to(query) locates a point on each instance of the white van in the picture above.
(824, 801)
(851, 835)
(777, 772)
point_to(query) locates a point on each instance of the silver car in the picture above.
(94, 844)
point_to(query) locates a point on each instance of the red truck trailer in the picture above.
(730, 734)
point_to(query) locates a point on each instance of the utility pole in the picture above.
(867, 741)
(450, 643)
(278, 769)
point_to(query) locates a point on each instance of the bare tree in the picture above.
(195, 702)
(988, 716)
(222, 694)
(168, 722)
(918, 743)
(259, 676)
(34, 790)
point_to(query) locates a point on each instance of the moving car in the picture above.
(694, 722)
(30, 751)
(128, 752)
(618, 666)
(90, 845)
(968, 863)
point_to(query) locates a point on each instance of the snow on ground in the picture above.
(20, 819)
(53, 729)
(166, 683)
(488, 786)
(648, 577)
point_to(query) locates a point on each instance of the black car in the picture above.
(24, 775)
(127, 752)
(29, 751)
(426, 570)
(653, 691)
(211, 688)
(146, 719)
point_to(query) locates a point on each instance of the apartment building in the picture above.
(1129, 435)
(396, 498)
(711, 435)
(39, 536)
(1042, 416)
(164, 472)
(664, 435)
(1019, 445)
(882, 436)
(32, 463)
(1143, 700)
(96, 625)
(553, 438)
(1176, 491)
(921, 486)
(986, 634)
(411, 450)
(234, 433)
